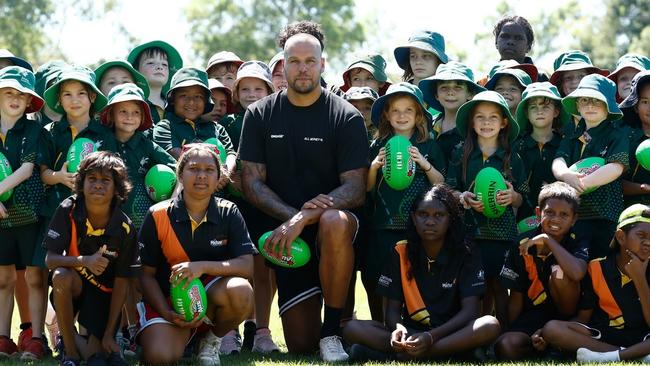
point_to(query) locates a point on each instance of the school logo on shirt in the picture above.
(52, 234)
(480, 275)
(384, 281)
(448, 285)
(218, 243)
(98, 144)
(277, 136)
(143, 163)
(508, 273)
(313, 139)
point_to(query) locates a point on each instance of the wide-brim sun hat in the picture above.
(628, 104)
(375, 64)
(46, 73)
(530, 69)
(223, 57)
(463, 115)
(451, 71)
(573, 60)
(186, 77)
(23, 80)
(538, 90)
(138, 78)
(216, 84)
(252, 69)
(523, 79)
(78, 73)
(396, 89)
(423, 40)
(275, 60)
(17, 61)
(174, 59)
(629, 60)
(598, 87)
(125, 93)
(361, 93)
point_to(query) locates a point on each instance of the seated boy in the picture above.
(543, 272)
(613, 322)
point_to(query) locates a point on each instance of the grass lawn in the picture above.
(248, 358)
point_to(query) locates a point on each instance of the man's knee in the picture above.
(338, 221)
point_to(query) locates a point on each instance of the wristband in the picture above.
(430, 167)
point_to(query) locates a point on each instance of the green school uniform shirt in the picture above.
(608, 142)
(21, 145)
(537, 160)
(500, 228)
(233, 124)
(391, 207)
(54, 154)
(448, 140)
(174, 132)
(139, 155)
(637, 173)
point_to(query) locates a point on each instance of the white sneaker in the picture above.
(230, 343)
(263, 343)
(331, 349)
(586, 355)
(208, 354)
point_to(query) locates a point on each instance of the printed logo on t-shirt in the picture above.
(277, 136)
(480, 275)
(143, 165)
(98, 144)
(218, 243)
(508, 273)
(449, 284)
(53, 234)
(313, 139)
(385, 281)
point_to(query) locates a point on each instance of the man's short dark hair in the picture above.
(523, 22)
(303, 26)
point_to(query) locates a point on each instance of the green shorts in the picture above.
(18, 244)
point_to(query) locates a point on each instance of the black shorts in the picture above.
(529, 321)
(598, 233)
(618, 337)
(17, 245)
(493, 255)
(298, 284)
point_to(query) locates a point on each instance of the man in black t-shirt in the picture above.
(304, 153)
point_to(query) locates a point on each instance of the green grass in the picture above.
(247, 358)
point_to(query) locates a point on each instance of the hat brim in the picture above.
(555, 77)
(403, 53)
(235, 85)
(223, 61)
(378, 107)
(174, 58)
(184, 84)
(147, 121)
(37, 102)
(522, 113)
(378, 74)
(569, 102)
(633, 98)
(138, 78)
(462, 117)
(17, 61)
(491, 84)
(429, 87)
(51, 95)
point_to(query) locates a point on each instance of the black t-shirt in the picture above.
(119, 236)
(304, 148)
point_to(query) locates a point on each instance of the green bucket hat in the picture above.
(598, 87)
(423, 40)
(530, 69)
(190, 76)
(637, 62)
(462, 118)
(252, 69)
(399, 88)
(138, 78)
(174, 58)
(23, 80)
(124, 93)
(573, 60)
(17, 61)
(47, 72)
(360, 93)
(451, 71)
(534, 90)
(74, 72)
(520, 75)
(373, 63)
(627, 105)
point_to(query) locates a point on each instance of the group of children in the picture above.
(441, 277)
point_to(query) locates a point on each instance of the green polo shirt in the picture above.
(55, 151)
(447, 140)
(233, 124)
(608, 142)
(19, 146)
(391, 207)
(500, 228)
(637, 173)
(537, 159)
(139, 155)
(174, 132)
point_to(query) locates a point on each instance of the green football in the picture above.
(80, 148)
(587, 166)
(487, 184)
(160, 182)
(399, 168)
(190, 302)
(222, 150)
(528, 224)
(300, 253)
(643, 154)
(5, 171)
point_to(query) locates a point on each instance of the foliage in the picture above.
(22, 25)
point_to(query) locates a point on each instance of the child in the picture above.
(92, 250)
(362, 99)
(400, 112)
(158, 61)
(118, 72)
(569, 68)
(421, 56)
(636, 112)
(276, 65)
(223, 67)
(510, 83)
(252, 84)
(451, 87)
(369, 71)
(613, 322)
(187, 100)
(20, 139)
(540, 117)
(543, 271)
(432, 284)
(9, 59)
(489, 132)
(626, 67)
(193, 221)
(46, 76)
(222, 99)
(598, 135)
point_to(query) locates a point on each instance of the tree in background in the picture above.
(249, 28)
(21, 26)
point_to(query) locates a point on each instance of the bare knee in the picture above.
(7, 277)
(352, 331)
(240, 295)
(35, 278)
(62, 279)
(487, 328)
(507, 345)
(554, 330)
(160, 356)
(338, 222)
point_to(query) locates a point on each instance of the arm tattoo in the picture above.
(352, 191)
(260, 195)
